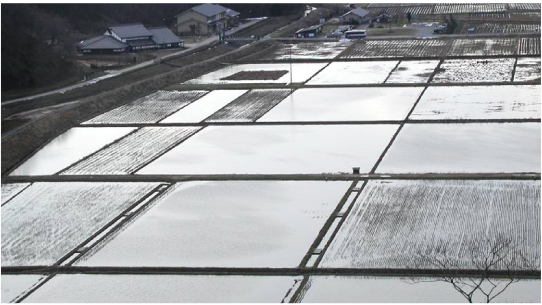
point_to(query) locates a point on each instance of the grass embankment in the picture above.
(267, 26)
(113, 83)
(76, 74)
(311, 19)
(392, 32)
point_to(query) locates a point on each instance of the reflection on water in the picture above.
(357, 289)
(68, 148)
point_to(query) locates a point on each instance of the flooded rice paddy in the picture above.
(344, 104)
(464, 148)
(68, 148)
(284, 149)
(131, 152)
(15, 285)
(204, 107)
(226, 224)
(412, 72)
(363, 72)
(294, 209)
(149, 109)
(306, 50)
(363, 289)
(135, 288)
(249, 107)
(479, 102)
(300, 73)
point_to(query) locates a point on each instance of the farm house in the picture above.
(206, 19)
(309, 32)
(102, 44)
(357, 15)
(130, 37)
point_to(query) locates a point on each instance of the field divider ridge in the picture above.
(392, 70)
(292, 90)
(139, 127)
(317, 72)
(19, 192)
(168, 149)
(110, 227)
(343, 217)
(35, 287)
(170, 114)
(275, 177)
(262, 271)
(366, 122)
(514, 70)
(327, 225)
(223, 107)
(435, 71)
(372, 85)
(95, 239)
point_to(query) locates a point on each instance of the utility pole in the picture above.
(291, 72)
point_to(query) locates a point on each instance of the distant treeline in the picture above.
(35, 47)
(93, 18)
(37, 39)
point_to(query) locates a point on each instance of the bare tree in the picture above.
(484, 256)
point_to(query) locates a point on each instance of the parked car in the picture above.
(344, 28)
(441, 29)
(470, 30)
(335, 34)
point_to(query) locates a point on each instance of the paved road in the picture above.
(114, 73)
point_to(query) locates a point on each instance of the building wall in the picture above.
(189, 18)
(103, 51)
(232, 22)
(171, 45)
(352, 17)
(308, 34)
(112, 33)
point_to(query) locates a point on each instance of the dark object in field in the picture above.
(256, 75)
(441, 29)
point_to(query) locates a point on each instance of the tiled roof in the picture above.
(101, 42)
(130, 30)
(358, 11)
(309, 28)
(232, 13)
(209, 10)
(162, 35)
(141, 42)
